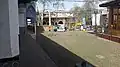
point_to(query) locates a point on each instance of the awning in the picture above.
(25, 1)
(111, 3)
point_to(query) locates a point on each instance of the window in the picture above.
(116, 18)
(60, 22)
(44, 23)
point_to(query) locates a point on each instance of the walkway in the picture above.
(32, 55)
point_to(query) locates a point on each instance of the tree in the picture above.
(90, 6)
(78, 12)
(44, 4)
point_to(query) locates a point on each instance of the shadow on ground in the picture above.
(39, 29)
(31, 54)
(60, 55)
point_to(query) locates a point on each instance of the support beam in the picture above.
(110, 20)
(9, 29)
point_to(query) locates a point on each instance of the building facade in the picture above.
(55, 18)
(113, 17)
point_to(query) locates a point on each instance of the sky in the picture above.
(67, 5)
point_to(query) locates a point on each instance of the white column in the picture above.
(22, 15)
(42, 17)
(9, 29)
(49, 19)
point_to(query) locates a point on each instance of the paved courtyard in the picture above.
(97, 51)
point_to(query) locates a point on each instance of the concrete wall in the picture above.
(14, 26)
(9, 45)
(5, 50)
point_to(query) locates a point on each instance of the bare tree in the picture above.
(76, 10)
(90, 6)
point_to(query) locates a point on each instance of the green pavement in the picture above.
(98, 51)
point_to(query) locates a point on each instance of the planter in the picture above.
(109, 37)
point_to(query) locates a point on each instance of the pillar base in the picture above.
(10, 61)
(39, 29)
(22, 30)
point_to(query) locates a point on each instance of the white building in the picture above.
(101, 16)
(57, 17)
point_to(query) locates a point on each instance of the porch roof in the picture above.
(111, 3)
(25, 1)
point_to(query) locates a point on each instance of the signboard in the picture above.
(97, 19)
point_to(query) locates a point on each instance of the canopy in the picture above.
(111, 3)
(25, 1)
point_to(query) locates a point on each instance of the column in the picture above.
(9, 29)
(110, 20)
(22, 18)
(42, 17)
(49, 19)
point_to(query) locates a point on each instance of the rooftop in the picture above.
(115, 3)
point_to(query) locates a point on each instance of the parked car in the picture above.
(61, 28)
(55, 28)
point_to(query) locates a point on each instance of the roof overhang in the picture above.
(25, 1)
(111, 4)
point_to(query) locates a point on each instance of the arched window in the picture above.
(44, 23)
(60, 22)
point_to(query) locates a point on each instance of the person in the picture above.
(65, 28)
(55, 28)
(49, 28)
(81, 27)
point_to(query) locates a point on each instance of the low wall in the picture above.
(110, 37)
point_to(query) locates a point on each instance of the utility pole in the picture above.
(95, 12)
(49, 18)
(42, 17)
(58, 5)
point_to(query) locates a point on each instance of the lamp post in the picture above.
(96, 12)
